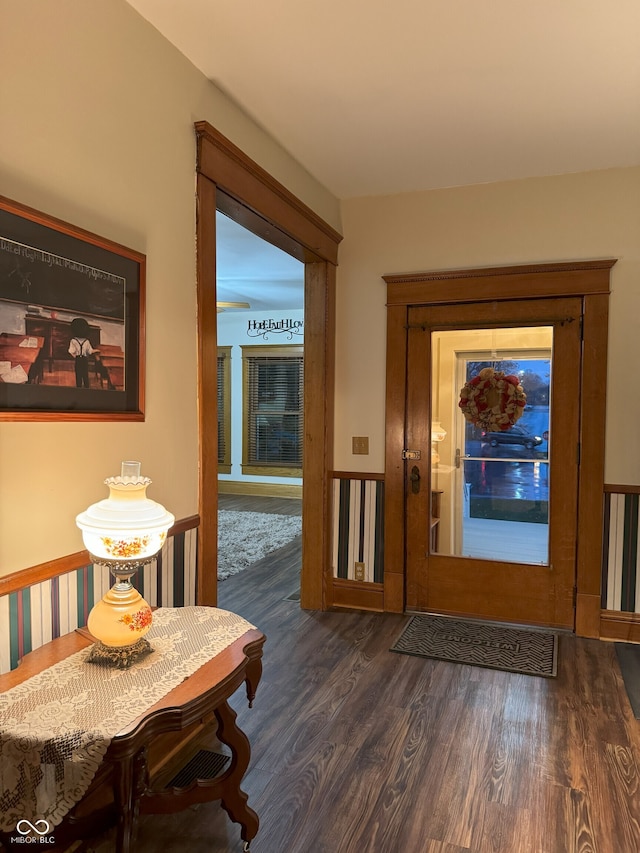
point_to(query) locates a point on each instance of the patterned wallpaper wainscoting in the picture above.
(358, 528)
(357, 537)
(621, 552)
(34, 615)
(621, 578)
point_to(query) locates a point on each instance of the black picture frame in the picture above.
(72, 322)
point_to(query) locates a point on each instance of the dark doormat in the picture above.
(529, 651)
(629, 659)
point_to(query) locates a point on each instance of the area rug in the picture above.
(246, 537)
(628, 655)
(530, 652)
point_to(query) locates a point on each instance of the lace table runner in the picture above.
(56, 727)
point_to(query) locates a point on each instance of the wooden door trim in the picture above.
(254, 197)
(595, 325)
(529, 281)
(247, 182)
(207, 584)
(394, 474)
(587, 279)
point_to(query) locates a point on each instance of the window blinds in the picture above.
(274, 410)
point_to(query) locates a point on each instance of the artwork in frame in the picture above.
(71, 322)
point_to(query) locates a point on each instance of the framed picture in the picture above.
(71, 322)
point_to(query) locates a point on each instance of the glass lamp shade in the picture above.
(127, 525)
(438, 434)
(123, 532)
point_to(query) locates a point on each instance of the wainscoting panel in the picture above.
(358, 527)
(36, 614)
(620, 570)
(358, 537)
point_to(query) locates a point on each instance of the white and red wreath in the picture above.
(492, 400)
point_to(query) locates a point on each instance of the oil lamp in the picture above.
(123, 532)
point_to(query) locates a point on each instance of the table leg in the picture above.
(253, 676)
(127, 781)
(233, 799)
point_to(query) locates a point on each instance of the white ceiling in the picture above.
(251, 270)
(375, 97)
(386, 96)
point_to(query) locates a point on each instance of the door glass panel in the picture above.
(490, 488)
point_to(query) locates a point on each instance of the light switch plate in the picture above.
(360, 445)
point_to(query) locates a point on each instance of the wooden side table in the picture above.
(124, 785)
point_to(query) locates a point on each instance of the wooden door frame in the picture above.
(227, 179)
(586, 279)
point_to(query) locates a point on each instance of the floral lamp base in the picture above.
(120, 620)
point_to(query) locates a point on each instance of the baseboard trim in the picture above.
(588, 615)
(355, 595)
(267, 490)
(620, 626)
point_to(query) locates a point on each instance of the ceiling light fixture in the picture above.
(222, 306)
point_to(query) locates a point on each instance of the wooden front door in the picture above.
(492, 517)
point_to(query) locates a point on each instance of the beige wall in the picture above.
(97, 113)
(578, 216)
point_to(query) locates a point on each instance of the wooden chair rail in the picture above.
(61, 565)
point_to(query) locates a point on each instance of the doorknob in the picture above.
(415, 480)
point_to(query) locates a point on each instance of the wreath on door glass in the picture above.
(492, 400)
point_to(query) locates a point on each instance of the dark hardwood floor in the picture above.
(256, 503)
(357, 749)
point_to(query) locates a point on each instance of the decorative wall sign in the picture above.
(71, 321)
(264, 328)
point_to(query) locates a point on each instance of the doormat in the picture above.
(530, 652)
(628, 655)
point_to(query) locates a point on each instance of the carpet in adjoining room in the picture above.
(246, 537)
(527, 651)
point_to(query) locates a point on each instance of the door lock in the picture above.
(411, 454)
(415, 480)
